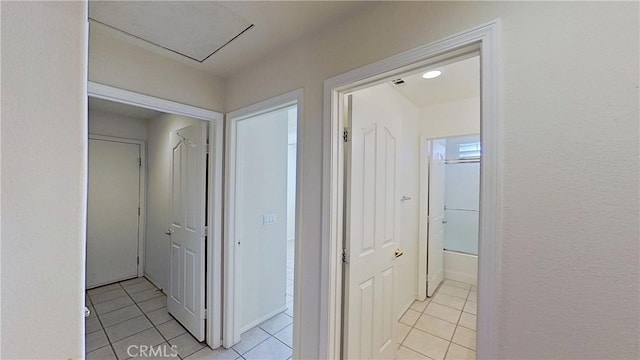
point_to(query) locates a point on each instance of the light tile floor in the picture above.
(134, 312)
(442, 327)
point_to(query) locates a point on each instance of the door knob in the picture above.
(169, 232)
(398, 253)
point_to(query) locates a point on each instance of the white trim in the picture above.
(423, 205)
(214, 234)
(298, 269)
(214, 202)
(111, 93)
(231, 328)
(142, 188)
(486, 37)
(262, 319)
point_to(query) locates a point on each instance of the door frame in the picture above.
(486, 39)
(142, 200)
(214, 201)
(231, 329)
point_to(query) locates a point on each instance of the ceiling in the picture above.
(121, 109)
(223, 37)
(459, 80)
(220, 37)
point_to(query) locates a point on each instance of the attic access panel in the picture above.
(196, 30)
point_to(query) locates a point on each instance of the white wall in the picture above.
(570, 223)
(125, 66)
(156, 266)
(408, 174)
(44, 156)
(110, 124)
(454, 118)
(261, 188)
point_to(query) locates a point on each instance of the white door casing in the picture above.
(371, 228)
(435, 237)
(112, 212)
(214, 194)
(486, 38)
(185, 300)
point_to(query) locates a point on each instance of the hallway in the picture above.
(129, 315)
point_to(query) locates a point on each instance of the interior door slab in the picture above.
(372, 205)
(185, 300)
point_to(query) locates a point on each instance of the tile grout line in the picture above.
(143, 314)
(457, 324)
(258, 344)
(136, 304)
(104, 330)
(153, 325)
(455, 329)
(118, 309)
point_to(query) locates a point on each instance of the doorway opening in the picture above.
(261, 239)
(365, 139)
(457, 180)
(386, 124)
(169, 156)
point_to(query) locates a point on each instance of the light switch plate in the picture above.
(269, 219)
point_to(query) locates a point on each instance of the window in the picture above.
(467, 151)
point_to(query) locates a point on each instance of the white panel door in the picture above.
(187, 254)
(112, 212)
(435, 239)
(371, 228)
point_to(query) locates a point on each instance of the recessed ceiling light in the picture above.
(432, 74)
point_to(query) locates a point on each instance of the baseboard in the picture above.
(117, 280)
(155, 283)
(262, 319)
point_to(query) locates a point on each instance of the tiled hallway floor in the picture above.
(442, 327)
(134, 312)
(131, 313)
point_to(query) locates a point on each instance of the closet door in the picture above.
(112, 212)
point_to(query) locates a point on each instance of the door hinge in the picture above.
(345, 257)
(138, 210)
(205, 231)
(140, 162)
(138, 260)
(206, 313)
(345, 135)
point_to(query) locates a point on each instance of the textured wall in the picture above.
(128, 67)
(109, 124)
(44, 155)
